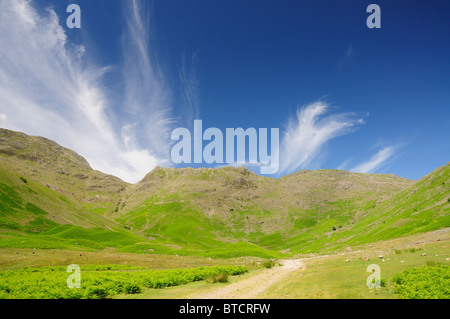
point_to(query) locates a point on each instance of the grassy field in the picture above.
(191, 290)
(333, 277)
(109, 274)
(330, 276)
(34, 272)
(13, 258)
(100, 282)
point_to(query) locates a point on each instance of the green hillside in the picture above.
(423, 206)
(51, 198)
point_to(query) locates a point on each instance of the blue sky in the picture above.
(344, 96)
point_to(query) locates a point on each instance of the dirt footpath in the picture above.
(255, 285)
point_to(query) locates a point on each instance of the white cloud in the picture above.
(3, 119)
(47, 89)
(308, 132)
(190, 89)
(343, 165)
(377, 161)
(147, 97)
(345, 58)
(349, 52)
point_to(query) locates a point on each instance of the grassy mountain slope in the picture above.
(210, 206)
(50, 196)
(421, 207)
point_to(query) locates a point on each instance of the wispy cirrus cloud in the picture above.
(190, 88)
(377, 161)
(147, 96)
(346, 57)
(308, 132)
(349, 53)
(47, 89)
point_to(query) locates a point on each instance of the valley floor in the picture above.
(339, 275)
(335, 276)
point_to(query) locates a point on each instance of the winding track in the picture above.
(252, 287)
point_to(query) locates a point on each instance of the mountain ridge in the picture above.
(204, 210)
